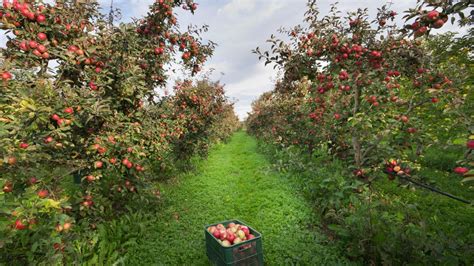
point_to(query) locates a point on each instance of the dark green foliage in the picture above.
(385, 222)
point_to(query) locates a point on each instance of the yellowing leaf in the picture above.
(52, 204)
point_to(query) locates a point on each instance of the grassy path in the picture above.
(234, 182)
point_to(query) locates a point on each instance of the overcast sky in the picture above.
(238, 26)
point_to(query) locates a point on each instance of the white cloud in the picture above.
(255, 84)
(237, 7)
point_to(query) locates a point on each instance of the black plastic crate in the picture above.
(249, 252)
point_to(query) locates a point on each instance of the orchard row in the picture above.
(84, 134)
(367, 91)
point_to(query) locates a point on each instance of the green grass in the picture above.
(408, 225)
(234, 182)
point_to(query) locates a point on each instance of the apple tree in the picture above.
(79, 100)
(356, 86)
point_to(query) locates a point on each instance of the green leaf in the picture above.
(468, 179)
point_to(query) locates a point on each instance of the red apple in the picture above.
(60, 121)
(6, 75)
(421, 31)
(33, 44)
(186, 56)
(69, 110)
(101, 150)
(41, 48)
(432, 15)
(250, 236)
(92, 86)
(43, 193)
(230, 236)
(40, 18)
(159, 50)
(470, 144)
(33, 180)
(461, 170)
(37, 53)
(19, 225)
(223, 234)
(217, 234)
(87, 203)
(98, 164)
(42, 36)
(72, 48)
(23, 145)
(404, 118)
(23, 46)
(211, 229)
(245, 229)
(67, 226)
(438, 24)
(57, 246)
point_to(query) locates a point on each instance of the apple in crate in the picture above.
(223, 234)
(245, 229)
(240, 234)
(217, 234)
(250, 237)
(211, 229)
(220, 227)
(237, 240)
(230, 237)
(230, 225)
(226, 243)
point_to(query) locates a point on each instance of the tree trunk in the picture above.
(355, 137)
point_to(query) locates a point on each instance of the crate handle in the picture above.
(245, 247)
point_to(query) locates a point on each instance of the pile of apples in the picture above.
(232, 235)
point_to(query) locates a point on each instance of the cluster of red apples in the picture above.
(232, 235)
